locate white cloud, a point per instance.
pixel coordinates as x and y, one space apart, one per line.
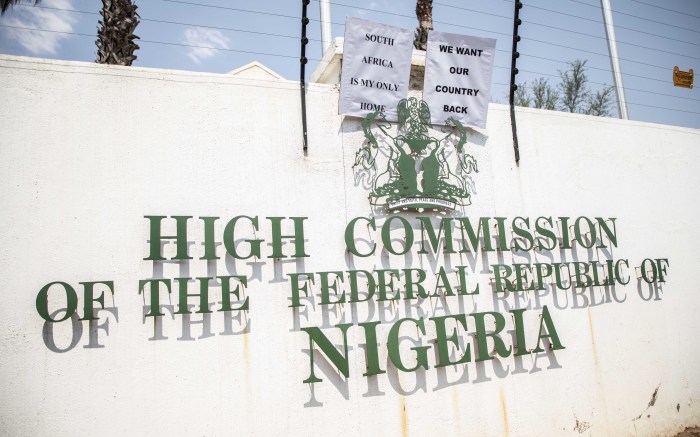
373 6
35 41
364 12
203 39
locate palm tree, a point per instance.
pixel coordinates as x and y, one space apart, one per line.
424 13
115 37
5 4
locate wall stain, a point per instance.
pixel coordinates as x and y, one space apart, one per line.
404 418
653 396
593 345
504 410
246 359
651 403
597 370
581 426
456 411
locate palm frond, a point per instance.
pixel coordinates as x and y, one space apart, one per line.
5 4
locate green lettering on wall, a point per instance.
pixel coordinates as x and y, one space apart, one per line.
209 238
296 288
230 238
548 234
501 274
442 340
410 283
442 281
350 236
327 285
482 335
523 232
385 285
297 236
386 235
394 341
372 348
580 235
445 227
154 286
43 296
182 307
474 236
338 359
611 234
156 238
226 292
521 348
89 297
354 285
551 332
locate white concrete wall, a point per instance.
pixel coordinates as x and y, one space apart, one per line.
87 151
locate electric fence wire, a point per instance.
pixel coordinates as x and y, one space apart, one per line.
525 21
666 9
206 26
412 17
385 12
637 17
195 77
597 6
291 56
616 26
509 17
529 6
533 39
290 87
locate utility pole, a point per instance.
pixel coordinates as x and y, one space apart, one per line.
325 9
614 62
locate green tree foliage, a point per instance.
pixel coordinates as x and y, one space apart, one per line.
573 86
522 96
571 94
545 96
599 103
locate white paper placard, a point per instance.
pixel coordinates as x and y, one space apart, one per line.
457 83
376 68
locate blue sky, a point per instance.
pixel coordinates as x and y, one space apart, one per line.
653 36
